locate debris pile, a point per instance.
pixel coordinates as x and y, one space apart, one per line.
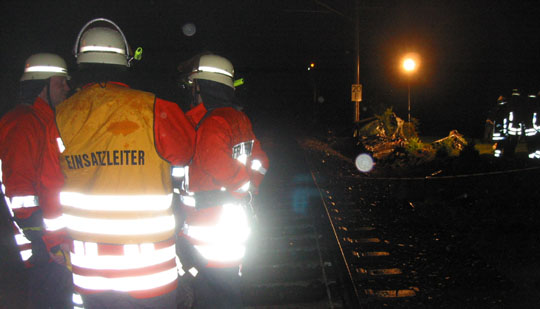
391 140
454 143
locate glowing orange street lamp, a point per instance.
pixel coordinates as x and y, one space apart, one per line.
410 64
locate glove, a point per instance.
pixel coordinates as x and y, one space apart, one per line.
60 255
40 254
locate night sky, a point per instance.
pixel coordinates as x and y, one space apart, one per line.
472 51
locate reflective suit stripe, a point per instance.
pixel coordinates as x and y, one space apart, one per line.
224 241
117 226
130 270
256 165
23 244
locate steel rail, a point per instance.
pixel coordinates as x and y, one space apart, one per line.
336 237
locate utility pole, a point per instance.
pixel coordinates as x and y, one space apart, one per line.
357 41
356 89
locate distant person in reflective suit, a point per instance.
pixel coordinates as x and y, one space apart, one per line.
532 126
497 124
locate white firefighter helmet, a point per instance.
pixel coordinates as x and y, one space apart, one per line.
102 45
43 66
214 68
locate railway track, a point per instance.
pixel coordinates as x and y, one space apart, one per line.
379 276
291 262
431 242
315 248
330 239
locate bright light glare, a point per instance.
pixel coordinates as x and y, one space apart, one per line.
364 163
409 65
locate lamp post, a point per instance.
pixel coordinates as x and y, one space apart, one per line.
409 66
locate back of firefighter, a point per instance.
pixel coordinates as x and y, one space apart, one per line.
520 127
225 171
532 126
119 146
499 131
509 127
31 180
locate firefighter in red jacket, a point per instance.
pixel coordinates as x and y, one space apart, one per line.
31 179
227 168
119 147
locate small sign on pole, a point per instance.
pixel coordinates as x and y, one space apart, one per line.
356 93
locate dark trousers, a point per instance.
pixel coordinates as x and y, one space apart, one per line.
211 288
121 300
217 288
50 285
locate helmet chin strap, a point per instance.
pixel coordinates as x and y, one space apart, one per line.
195 94
49 100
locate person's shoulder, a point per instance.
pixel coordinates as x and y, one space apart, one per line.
228 116
138 91
164 102
227 112
19 112
237 114
218 117
22 119
223 113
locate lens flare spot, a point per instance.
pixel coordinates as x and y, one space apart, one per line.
364 163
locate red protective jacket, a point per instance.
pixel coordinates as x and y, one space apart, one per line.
215 168
30 168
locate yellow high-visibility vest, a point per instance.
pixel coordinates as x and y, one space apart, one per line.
117 188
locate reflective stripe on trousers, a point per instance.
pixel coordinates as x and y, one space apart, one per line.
122 242
224 242
130 268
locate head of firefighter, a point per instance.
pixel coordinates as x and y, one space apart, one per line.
45 75
211 80
102 53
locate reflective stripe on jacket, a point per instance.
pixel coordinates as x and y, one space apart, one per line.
118 188
31 176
